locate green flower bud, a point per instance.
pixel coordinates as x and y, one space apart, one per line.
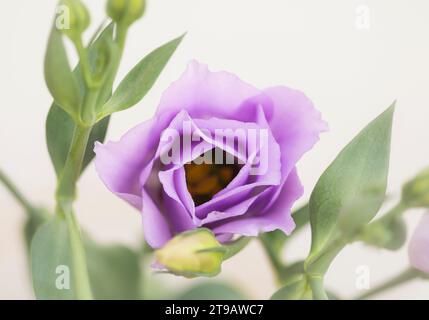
192 253
416 192
73 18
125 11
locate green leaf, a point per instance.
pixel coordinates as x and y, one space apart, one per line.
211 291
297 290
60 126
51 261
114 271
61 81
140 79
351 191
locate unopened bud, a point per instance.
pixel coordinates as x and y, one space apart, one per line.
192 253
125 11
416 192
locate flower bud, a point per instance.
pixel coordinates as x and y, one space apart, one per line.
416 192
192 253
125 11
75 17
418 250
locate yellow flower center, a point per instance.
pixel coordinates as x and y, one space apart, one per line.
204 180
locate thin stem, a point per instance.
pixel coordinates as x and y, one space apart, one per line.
403 277
66 189
13 189
80 271
67 181
66 194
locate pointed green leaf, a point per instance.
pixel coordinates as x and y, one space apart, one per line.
211 291
51 261
140 79
297 290
61 81
351 191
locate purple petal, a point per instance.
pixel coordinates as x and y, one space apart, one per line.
277 217
418 250
203 93
155 226
295 124
121 165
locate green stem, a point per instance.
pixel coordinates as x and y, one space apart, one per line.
403 277
316 285
66 194
13 189
66 190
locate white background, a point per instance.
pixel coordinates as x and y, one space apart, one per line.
351 75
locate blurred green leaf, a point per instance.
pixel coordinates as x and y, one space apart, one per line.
61 82
36 218
140 79
211 291
60 126
297 290
51 261
358 173
114 271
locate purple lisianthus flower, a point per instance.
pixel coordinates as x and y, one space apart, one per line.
418 249
180 173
